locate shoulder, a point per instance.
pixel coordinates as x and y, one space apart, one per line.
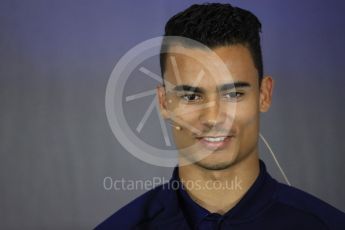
140 210
309 207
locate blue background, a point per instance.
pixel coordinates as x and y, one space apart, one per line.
56 146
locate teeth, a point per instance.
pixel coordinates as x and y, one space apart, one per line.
214 139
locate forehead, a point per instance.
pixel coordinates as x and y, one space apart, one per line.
225 64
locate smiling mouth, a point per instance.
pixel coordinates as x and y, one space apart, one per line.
214 142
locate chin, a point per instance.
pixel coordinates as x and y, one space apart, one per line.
218 160
214 165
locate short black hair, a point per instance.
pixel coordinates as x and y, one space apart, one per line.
215 25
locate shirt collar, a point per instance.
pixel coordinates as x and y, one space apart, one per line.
258 197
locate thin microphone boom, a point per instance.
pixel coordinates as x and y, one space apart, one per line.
177 127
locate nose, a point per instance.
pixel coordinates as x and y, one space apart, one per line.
211 115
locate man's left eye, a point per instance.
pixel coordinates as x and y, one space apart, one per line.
233 95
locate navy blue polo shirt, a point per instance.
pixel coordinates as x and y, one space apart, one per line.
267 205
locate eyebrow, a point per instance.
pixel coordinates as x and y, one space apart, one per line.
225 87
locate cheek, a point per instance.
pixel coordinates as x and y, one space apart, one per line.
185 114
247 118
188 119
247 126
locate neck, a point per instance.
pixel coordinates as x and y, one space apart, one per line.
220 190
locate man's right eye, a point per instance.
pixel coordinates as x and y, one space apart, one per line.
190 97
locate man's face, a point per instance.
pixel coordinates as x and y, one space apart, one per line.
218 112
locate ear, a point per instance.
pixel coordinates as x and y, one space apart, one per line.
162 101
266 90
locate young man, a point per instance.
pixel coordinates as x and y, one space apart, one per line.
216 118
